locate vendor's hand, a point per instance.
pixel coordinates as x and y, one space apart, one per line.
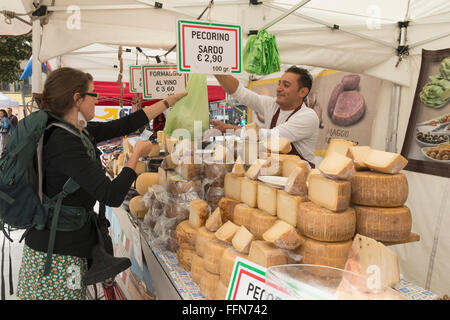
171 100
222 126
143 148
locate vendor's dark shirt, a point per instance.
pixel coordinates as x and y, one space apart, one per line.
65 156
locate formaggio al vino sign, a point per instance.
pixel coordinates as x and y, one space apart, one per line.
209 48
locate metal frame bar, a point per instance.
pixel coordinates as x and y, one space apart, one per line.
285 14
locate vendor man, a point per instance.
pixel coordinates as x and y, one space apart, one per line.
287 112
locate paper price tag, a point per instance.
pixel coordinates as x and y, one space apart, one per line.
136 81
161 81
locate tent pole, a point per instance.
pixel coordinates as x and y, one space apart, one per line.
36 77
391 139
284 15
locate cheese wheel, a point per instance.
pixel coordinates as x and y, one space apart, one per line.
242 215
227 206
332 254
260 222
266 254
212 255
384 224
202 239
249 191
287 206
141 167
221 291
227 263
197 268
331 194
266 198
208 285
138 207
226 232
232 185
198 212
186 234
378 189
321 224
214 221
146 180
185 257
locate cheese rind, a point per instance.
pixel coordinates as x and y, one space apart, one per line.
358 154
337 166
267 198
186 234
296 182
138 207
227 206
146 180
242 215
277 144
208 285
197 269
249 192
227 262
226 232
260 222
214 221
287 206
198 213
221 291
372 259
232 185
385 162
379 189
213 253
185 256
202 239
384 224
242 239
331 194
321 224
283 235
266 254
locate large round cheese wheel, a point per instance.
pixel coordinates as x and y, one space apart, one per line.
379 189
186 235
227 264
384 224
322 224
208 285
332 254
202 239
260 222
197 269
221 291
212 255
137 207
185 256
146 180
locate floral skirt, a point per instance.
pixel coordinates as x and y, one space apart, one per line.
62 283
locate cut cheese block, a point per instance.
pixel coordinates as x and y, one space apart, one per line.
154 151
332 254
277 144
287 206
358 154
249 191
283 235
198 213
227 232
337 166
313 172
177 185
379 189
232 185
331 194
213 254
321 224
255 169
202 239
238 168
384 224
146 180
186 235
160 138
296 182
185 256
272 167
141 167
227 206
242 215
221 291
188 169
340 146
267 198
138 207
386 162
288 166
373 260
197 269
252 130
266 254
250 151
242 239
214 221
260 223
162 177
227 263
208 285
222 154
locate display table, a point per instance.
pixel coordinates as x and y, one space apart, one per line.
171 282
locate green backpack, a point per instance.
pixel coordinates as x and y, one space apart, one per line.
22 203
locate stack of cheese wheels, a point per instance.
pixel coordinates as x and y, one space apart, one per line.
327 222
379 195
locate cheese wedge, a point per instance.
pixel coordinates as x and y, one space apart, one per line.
227 263
276 144
340 146
226 232
296 182
249 191
331 194
208 284
358 154
227 206
386 162
254 171
337 166
238 168
214 221
197 269
283 235
242 239
198 213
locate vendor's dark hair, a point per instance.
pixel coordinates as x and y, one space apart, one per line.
305 80
60 87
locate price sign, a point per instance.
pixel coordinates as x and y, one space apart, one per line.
136 84
161 81
209 48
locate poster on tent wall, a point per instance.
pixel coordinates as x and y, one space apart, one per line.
427 141
346 106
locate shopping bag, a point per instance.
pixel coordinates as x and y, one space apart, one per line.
261 54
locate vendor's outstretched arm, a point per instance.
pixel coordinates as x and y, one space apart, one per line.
227 82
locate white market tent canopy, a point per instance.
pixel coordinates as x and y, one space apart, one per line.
382 38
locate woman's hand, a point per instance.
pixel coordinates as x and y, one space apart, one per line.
222 126
143 148
171 100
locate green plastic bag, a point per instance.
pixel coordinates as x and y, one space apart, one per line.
193 107
261 54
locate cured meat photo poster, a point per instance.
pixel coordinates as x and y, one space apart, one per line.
346 106
427 140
